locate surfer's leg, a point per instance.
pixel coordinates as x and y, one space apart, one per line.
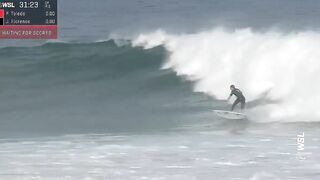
243 103
235 103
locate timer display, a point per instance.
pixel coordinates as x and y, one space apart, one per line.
31 4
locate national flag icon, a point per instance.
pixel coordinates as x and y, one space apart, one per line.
1 13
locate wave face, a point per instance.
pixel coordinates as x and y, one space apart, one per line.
94 87
283 70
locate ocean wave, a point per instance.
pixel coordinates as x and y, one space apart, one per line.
88 87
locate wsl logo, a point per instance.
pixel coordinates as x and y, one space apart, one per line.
6 5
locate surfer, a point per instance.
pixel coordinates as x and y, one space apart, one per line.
240 97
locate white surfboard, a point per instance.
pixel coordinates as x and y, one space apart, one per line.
230 114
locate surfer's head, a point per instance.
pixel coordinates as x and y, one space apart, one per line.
232 87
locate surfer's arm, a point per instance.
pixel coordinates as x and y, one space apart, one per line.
230 96
231 93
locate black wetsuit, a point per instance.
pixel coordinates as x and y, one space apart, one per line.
240 98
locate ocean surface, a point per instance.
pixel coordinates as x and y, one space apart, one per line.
128 90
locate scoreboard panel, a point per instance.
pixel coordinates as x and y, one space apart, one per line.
28 19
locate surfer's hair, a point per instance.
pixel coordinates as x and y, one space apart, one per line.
232 86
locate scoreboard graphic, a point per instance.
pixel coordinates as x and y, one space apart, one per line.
28 19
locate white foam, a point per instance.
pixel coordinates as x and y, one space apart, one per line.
285 65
